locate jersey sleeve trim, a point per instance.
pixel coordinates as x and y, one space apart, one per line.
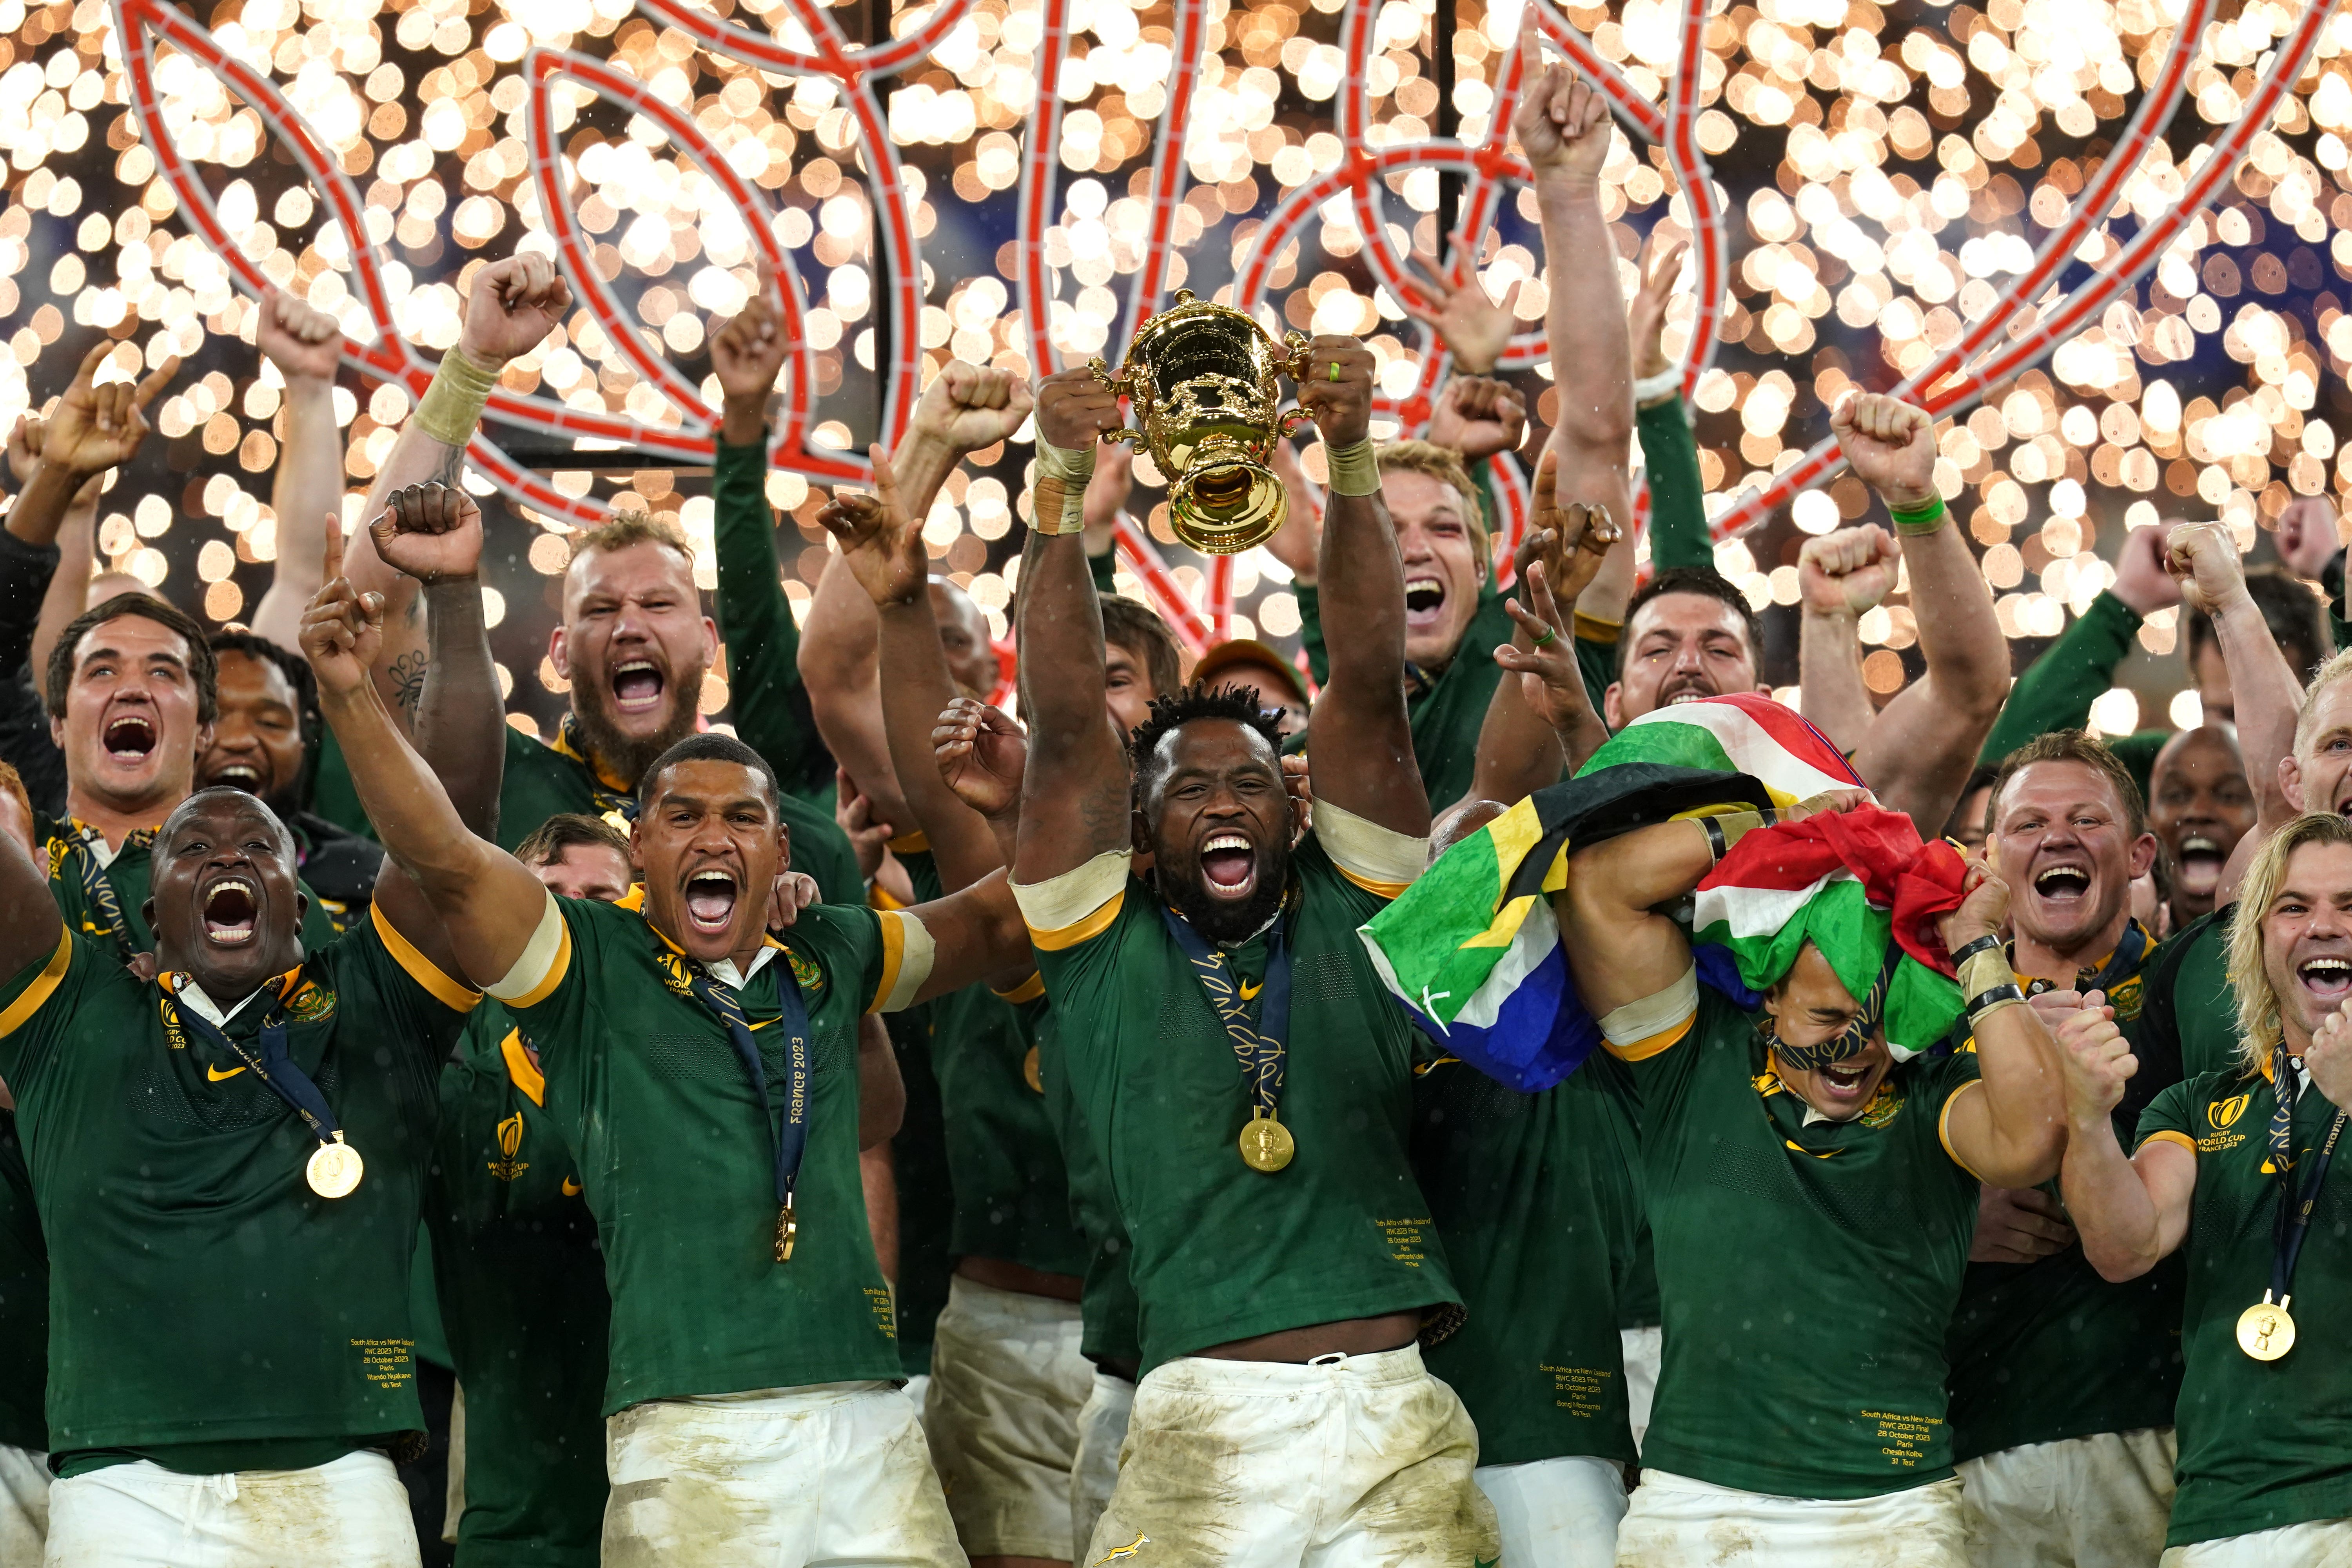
1378 860
1076 906
1944 1126
908 955
1028 990
454 994
45 984
545 959
1640 1030
916 842
2168 1135
520 1071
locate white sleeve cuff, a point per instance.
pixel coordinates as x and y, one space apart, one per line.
539 957
1638 1024
1060 902
1378 859
909 953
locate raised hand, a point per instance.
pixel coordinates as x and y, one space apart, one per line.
2203 558
1848 571
2142 581
793 892
1478 417
1549 681
342 631
431 531
25 447
304 343
515 303
747 354
98 428
1984 906
970 406
2096 1059
1570 539
1075 409
2308 536
1562 125
1475 328
1337 392
1828 800
1890 444
881 544
1662 263
854 814
2328 1058
982 755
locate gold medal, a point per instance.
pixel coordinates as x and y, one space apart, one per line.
1029 1073
2265 1332
335 1169
788 1230
1266 1144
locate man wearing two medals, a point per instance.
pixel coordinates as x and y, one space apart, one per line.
1245 1084
227 1161
706 1078
2233 1166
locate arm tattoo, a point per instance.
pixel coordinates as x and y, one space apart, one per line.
407 677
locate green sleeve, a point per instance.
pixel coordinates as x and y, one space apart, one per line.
2169 1113
1105 568
2057 689
1596 662
2138 752
1678 531
1310 632
763 642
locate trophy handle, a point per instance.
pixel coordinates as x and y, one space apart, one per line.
1290 423
1298 356
1121 381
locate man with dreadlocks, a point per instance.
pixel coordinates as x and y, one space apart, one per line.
1811 1196
1244 1086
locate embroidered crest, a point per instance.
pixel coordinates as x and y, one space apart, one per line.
310 1004
805 971
1885 1106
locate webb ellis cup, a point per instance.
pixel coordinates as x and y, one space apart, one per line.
1203 378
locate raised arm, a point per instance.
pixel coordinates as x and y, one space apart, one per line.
1074 793
1923 745
514 304
1530 734
1678 531
2011 1133
43 586
982 755
306 346
2130 1211
2056 690
488 902
1841 577
94 428
1562 123
965 409
2202 558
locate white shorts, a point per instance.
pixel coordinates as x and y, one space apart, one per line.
1350 1460
1007 1383
2101 1502
1102 1432
24 1507
919 1394
1556 1513
453 1507
1671 1520
2314 1543
352 1512
1641 1348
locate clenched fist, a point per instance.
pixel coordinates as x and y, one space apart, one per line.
1889 443
1848 571
1337 391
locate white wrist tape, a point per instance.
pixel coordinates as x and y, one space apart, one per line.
452 405
1058 504
1355 468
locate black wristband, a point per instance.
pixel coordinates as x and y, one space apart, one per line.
1985 944
1772 818
1715 841
2005 992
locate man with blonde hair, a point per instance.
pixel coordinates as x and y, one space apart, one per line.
2232 1165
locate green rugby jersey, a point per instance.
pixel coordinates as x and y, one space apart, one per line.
1806 1272
521 1287
204 1302
1537 1200
2046 1350
1005 1161
1223 1252
2263 1444
24 1301
676 1152
543 781
1107 1309
2192 1013
918 1169
82 885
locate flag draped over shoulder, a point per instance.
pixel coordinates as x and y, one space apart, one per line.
1472 949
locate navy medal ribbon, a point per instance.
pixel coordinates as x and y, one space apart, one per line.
334 1166
1259 1033
792 1118
2296 1200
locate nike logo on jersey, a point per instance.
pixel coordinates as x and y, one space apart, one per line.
571 1188
1816 1153
215 1075
1249 992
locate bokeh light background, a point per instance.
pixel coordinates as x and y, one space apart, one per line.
1883 178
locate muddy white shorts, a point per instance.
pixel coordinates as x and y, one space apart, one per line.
836 1473
1642 1348
1343 1461
1672 1520
2101 1502
1556 1513
1102 1432
24 1507
1007 1383
352 1512
2314 1543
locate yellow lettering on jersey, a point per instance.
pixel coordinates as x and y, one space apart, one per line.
385 1362
1903 1440
1406 1239
1576 1389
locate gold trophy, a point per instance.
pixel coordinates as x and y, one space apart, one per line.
1202 377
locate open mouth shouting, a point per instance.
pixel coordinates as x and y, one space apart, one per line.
232 907
1846 1082
1229 866
637 686
128 738
2328 978
239 774
1424 602
2201 857
710 895
2064 886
